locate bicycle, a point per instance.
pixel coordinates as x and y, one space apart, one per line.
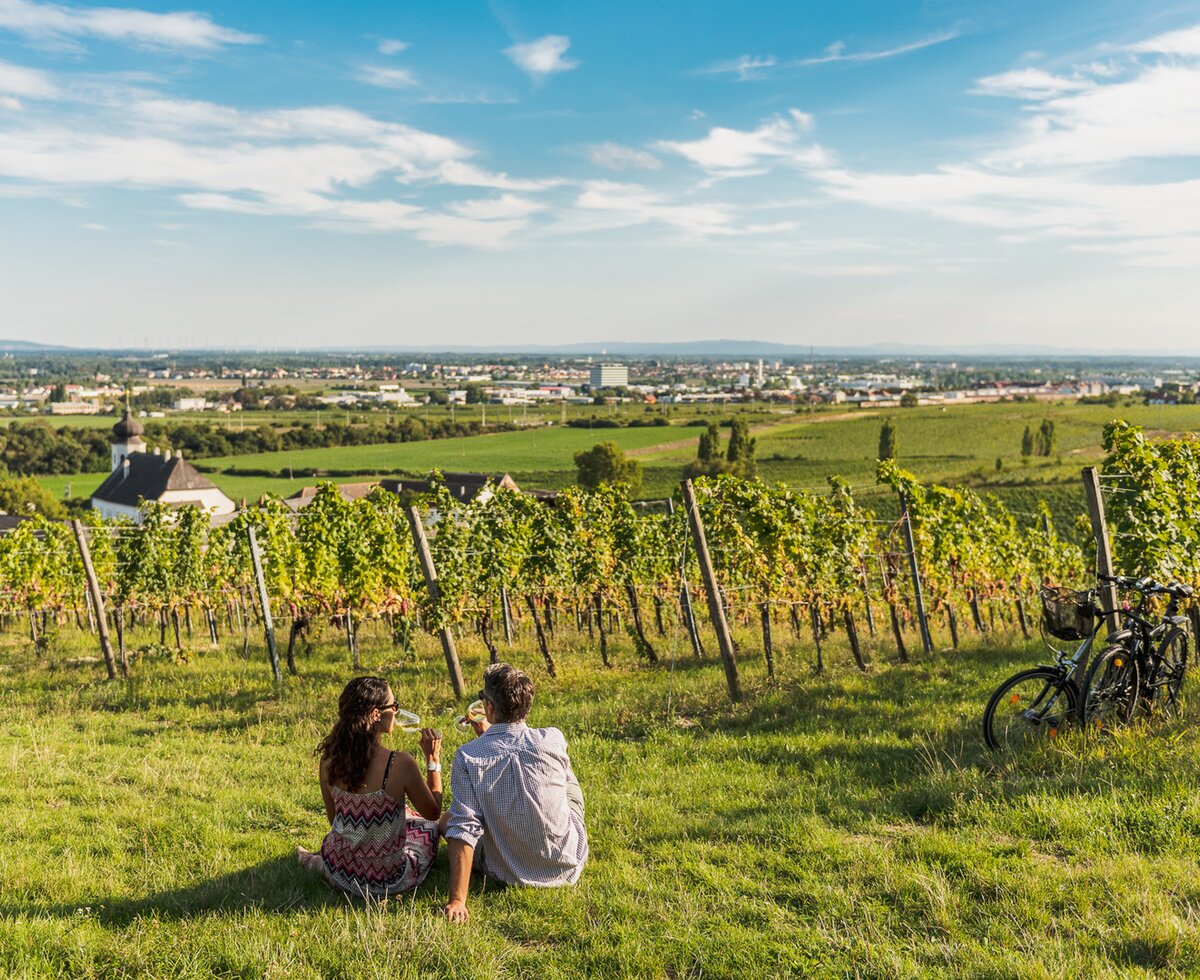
1034 704
1144 662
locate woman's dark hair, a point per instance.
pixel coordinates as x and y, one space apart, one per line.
510 690
346 750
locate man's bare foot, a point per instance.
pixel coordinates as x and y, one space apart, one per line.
310 860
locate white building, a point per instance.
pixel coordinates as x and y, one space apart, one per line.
608 376
139 477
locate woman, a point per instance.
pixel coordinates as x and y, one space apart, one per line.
376 846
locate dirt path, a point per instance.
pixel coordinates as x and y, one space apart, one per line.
670 447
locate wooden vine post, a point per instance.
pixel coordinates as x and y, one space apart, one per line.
1104 562
97 600
265 601
716 608
915 572
685 597
447 638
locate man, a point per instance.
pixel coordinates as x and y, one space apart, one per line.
517 813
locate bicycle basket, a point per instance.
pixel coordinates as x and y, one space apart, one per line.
1068 615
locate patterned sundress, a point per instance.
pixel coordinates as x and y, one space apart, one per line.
377 846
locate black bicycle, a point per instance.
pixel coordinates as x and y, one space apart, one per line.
1142 666
1035 704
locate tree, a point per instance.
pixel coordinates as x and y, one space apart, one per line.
710 444
887 440
1045 438
605 463
1027 442
908 400
23 495
740 454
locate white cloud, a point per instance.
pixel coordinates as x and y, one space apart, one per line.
464 174
837 50
1028 83
390 46
386 77
542 57
174 30
613 156
1074 171
1181 42
16 80
623 205
746 67
1155 113
734 152
495 208
328 166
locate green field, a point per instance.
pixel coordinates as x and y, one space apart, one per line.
955 445
838 825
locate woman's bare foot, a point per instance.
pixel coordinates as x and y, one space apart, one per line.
310 860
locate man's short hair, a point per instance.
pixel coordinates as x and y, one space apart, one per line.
510 690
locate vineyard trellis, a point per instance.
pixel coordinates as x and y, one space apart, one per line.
591 561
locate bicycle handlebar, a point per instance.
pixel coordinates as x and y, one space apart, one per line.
1147 586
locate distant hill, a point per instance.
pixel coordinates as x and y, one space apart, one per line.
29 347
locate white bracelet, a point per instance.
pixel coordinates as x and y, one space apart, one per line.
433 766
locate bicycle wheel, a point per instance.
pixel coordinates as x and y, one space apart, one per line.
1163 688
1029 707
1111 689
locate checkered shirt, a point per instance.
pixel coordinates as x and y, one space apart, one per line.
510 792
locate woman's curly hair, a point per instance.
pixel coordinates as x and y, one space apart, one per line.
346 750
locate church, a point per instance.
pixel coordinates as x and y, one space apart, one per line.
139 477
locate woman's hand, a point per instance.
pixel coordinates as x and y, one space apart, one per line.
431 744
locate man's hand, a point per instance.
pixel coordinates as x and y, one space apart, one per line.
480 726
457 912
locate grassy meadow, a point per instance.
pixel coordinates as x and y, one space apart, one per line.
842 824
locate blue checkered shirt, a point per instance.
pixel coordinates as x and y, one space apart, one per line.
510 793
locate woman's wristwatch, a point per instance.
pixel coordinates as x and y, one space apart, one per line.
431 766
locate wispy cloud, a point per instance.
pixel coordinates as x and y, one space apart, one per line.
1029 83
390 46
542 57
837 51
18 81
746 67
1182 42
1073 170
737 152
617 205
185 30
506 206
382 77
614 156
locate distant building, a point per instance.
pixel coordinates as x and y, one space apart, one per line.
190 404
74 408
608 376
139 477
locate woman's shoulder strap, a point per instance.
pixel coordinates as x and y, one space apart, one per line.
388 771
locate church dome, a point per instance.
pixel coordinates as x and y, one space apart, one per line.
128 428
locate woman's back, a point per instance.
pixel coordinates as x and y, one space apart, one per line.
376 846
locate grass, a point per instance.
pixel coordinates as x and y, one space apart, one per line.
956 445
844 824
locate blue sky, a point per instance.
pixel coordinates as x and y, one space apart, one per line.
474 173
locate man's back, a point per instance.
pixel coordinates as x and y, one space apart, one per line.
514 790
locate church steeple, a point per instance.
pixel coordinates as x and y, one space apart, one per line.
126 438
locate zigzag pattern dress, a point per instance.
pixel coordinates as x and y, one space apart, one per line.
377 846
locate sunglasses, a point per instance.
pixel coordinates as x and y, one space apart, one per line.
390 707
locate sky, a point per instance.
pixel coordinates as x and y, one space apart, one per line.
504 173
